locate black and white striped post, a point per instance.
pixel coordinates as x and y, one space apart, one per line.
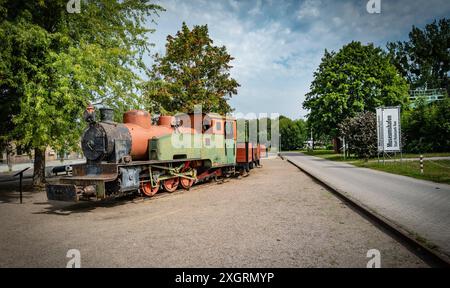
421 164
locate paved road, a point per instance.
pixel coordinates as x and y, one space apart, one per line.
421 207
276 217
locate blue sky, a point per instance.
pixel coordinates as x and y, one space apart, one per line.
278 45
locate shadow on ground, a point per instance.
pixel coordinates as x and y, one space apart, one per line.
68 208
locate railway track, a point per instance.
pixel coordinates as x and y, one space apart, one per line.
406 238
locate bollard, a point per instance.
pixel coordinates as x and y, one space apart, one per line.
421 164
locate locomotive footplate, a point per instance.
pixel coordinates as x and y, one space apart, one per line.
62 192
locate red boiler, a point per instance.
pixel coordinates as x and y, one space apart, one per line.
139 123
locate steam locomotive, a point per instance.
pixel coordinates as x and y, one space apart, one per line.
137 157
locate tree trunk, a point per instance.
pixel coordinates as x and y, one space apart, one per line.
337 145
39 167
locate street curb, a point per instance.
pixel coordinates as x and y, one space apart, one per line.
436 257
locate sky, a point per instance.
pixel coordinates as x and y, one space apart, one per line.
277 45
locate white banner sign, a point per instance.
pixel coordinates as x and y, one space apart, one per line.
388 129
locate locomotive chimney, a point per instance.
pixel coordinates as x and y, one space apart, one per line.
106 114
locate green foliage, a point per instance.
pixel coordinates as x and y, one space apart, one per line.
424 60
358 78
293 133
360 133
53 63
192 72
427 127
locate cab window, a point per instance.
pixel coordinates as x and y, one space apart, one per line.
218 125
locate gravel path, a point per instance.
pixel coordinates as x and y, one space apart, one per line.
276 217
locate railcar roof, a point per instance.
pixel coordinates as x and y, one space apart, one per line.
215 116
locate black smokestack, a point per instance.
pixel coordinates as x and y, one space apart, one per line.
106 114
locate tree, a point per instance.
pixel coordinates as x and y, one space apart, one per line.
360 134
358 78
193 71
293 133
53 64
426 128
424 60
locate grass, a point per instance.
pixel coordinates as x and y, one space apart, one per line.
328 154
434 170
425 155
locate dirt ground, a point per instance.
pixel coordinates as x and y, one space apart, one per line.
276 217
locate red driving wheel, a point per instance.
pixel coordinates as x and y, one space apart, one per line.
186 183
147 189
170 185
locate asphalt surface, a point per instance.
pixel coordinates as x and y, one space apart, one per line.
420 207
276 217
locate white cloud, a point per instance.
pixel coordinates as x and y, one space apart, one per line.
309 9
278 45
256 10
234 4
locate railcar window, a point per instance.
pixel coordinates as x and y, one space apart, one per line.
218 125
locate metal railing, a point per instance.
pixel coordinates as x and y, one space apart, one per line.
430 95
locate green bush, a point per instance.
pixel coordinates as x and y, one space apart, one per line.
426 128
360 134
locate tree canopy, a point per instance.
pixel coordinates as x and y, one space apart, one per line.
54 63
424 60
426 128
192 72
293 133
357 78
